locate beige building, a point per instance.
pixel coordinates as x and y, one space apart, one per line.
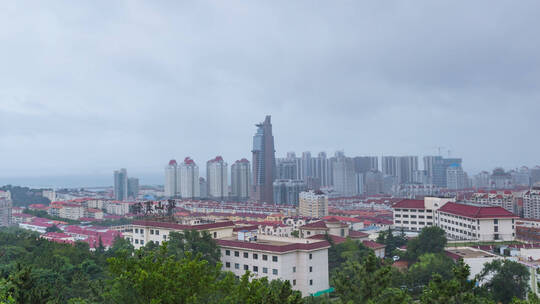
71 211
313 204
303 262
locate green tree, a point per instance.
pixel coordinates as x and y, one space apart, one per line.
532 298
359 282
458 290
430 240
420 273
391 241
194 242
504 280
347 251
53 228
295 233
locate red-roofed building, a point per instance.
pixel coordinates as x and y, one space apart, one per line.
414 215
378 248
481 223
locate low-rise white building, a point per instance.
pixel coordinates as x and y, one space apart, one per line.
414 215
140 232
303 262
478 223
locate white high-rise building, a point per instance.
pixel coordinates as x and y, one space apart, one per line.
240 179
189 179
171 179
313 204
120 185
216 178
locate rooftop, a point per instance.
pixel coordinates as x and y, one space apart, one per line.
274 245
469 253
476 211
409 204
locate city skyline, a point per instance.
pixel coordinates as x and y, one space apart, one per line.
95 99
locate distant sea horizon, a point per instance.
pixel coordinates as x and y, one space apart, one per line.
75 181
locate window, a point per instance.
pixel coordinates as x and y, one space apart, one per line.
294 282
236 254
246 255
227 252
274 271
310 282
255 256
310 268
151 231
495 221
142 242
265 257
246 267
228 264
236 266
294 269
157 232
397 215
265 270
310 256
136 230
164 237
342 232
215 234
398 221
136 241
274 258
255 269
496 228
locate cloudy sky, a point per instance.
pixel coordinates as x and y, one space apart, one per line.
87 88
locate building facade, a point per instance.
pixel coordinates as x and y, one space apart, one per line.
240 179
120 185
287 192
313 204
531 203
171 179
189 179
263 163
217 178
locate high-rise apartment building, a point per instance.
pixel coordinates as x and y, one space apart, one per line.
216 178
313 204
203 188
407 166
363 164
390 165
240 179
120 185
171 179
287 192
535 175
531 203
5 212
133 187
436 166
264 163
373 182
189 179
286 169
344 176
456 179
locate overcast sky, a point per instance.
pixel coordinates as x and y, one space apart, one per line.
86 88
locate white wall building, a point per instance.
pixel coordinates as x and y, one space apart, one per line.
303 262
240 179
478 223
414 215
189 179
171 176
313 204
216 178
531 203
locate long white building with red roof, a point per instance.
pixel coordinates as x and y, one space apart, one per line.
459 221
481 223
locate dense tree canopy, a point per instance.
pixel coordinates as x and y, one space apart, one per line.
430 240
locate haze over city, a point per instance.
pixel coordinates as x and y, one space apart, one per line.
91 87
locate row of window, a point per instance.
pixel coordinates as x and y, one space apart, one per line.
414 223
255 256
413 216
264 270
413 210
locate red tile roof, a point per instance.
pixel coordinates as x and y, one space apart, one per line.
476 211
273 248
336 239
183 227
373 245
410 204
315 225
358 234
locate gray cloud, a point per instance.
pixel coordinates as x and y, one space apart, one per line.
88 87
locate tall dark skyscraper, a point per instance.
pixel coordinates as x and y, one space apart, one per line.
264 163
